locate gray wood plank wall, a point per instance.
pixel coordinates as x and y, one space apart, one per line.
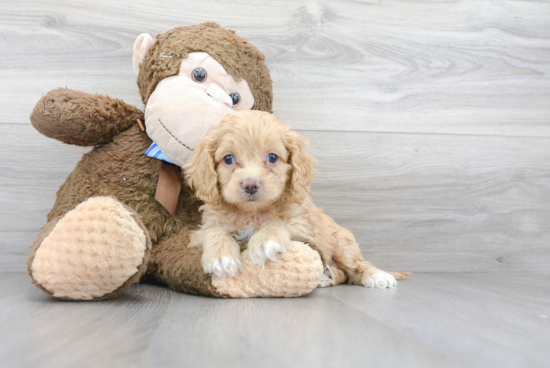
430 119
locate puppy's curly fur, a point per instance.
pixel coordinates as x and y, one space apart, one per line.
254 175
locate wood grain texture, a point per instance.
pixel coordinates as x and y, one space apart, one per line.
464 67
430 119
439 202
436 320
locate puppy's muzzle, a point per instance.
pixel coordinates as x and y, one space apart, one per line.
251 186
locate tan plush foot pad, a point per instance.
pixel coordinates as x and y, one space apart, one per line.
297 272
91 251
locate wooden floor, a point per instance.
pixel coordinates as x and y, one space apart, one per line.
430 320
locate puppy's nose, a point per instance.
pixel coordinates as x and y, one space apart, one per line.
251 186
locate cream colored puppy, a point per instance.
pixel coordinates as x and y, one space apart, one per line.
253 174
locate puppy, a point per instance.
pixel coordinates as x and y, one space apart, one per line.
253 174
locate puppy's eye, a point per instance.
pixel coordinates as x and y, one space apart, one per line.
199 75
272 158
229 160
235 97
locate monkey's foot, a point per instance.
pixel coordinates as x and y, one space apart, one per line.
297 272
94 252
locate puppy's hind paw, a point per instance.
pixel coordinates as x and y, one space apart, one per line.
225 266
271 250
381 280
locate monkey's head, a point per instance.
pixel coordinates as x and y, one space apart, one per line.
191 77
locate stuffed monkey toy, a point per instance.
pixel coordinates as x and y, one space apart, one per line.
123 214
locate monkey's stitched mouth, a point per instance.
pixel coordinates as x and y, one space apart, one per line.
173 136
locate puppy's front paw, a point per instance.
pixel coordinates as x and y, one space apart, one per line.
222 267
380 280
262 248
221 263
271 250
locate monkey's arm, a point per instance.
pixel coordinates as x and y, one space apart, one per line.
80 118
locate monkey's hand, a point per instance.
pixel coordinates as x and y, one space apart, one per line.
82 119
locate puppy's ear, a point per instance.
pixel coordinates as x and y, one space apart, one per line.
302 172
201 172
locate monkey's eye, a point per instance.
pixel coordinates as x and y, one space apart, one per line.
229 160
272 158
198 75
235 97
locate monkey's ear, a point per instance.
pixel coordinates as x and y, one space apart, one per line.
142 45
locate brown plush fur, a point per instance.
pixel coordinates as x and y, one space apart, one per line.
120 169
240 58
117 166
175 262
82 119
